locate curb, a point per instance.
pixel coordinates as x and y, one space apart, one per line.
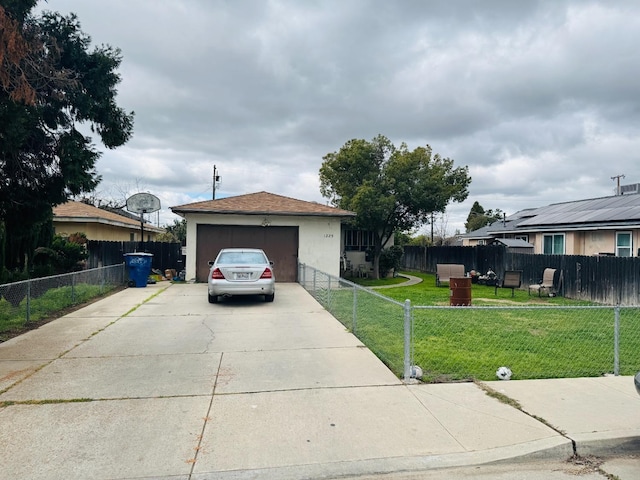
607 447
554 448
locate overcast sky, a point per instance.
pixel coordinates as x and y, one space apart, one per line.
540 99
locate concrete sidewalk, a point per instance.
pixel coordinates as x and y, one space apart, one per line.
411 280
157 383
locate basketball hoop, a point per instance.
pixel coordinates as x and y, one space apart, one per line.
142 203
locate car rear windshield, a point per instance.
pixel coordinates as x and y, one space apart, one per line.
241 258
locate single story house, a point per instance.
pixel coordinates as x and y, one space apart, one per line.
287 229
597 226
99 224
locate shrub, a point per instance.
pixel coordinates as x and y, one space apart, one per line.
65 255
390 259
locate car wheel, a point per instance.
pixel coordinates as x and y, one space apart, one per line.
269 298
213 298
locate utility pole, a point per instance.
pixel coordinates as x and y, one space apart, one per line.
617 177
216 178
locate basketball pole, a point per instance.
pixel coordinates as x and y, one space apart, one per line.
142 229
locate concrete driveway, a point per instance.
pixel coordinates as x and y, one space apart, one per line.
157 383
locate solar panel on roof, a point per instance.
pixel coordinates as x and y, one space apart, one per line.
606 209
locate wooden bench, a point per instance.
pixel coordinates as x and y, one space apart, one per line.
446 271
512 279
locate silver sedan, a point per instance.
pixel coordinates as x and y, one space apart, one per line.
241 271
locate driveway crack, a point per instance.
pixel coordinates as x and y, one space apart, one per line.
207 418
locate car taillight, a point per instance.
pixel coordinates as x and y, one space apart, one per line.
266 273
217 274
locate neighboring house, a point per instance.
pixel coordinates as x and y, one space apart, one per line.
288 230
598 226
99 224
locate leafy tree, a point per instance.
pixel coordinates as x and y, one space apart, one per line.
177 232
51 82
401 239
420 241
479 218
390 189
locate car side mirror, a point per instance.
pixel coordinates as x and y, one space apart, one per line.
271 263
210 262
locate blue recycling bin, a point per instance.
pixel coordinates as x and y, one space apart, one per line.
139 265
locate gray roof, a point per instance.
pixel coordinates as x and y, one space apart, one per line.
594 213
489 231
513 242
607 209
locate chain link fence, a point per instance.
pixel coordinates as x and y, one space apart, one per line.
35 299
376 320
461 343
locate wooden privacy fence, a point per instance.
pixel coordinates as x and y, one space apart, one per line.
165 255
602 279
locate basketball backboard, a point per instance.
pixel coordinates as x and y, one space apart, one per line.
143 203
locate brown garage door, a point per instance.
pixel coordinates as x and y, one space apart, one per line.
279 243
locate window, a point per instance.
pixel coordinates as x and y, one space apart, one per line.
482 242
522 237
623 244
358 240
553 244
132 237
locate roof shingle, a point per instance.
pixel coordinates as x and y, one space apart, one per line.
262 203
77 211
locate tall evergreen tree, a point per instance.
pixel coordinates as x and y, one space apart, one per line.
52 81
479 217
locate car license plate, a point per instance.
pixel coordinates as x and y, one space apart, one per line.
243 276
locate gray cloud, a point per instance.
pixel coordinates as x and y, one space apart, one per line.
539 99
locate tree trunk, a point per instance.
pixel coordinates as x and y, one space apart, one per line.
377 250
376 265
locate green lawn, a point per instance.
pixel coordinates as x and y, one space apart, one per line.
426 293
547 337
13 317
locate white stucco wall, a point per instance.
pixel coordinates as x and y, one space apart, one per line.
319 244
318 237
